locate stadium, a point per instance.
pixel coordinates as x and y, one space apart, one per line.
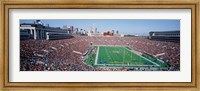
84 53
75 52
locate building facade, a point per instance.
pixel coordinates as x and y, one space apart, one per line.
165 35
39 31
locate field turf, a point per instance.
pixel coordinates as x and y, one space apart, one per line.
120 56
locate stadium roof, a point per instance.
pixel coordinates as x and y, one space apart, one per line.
175 31
52 29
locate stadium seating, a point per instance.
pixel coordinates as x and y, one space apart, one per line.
49 55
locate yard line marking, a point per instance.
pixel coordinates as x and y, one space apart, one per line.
95 63
146 58
128 65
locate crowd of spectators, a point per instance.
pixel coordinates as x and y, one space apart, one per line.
61 55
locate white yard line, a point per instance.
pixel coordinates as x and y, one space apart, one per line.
96 59
95 63
108 55
145 58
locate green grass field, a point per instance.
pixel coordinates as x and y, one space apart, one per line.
120 56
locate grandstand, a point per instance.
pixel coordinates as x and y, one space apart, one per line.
39 31
90 53
165 35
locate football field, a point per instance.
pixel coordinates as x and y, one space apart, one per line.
120 56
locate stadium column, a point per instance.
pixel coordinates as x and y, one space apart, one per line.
47 35
35 34
31 31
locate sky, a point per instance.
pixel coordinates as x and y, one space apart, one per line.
129 26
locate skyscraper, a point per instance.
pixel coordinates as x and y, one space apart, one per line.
117 32
71 29
113 31
93 28
96 30
76 30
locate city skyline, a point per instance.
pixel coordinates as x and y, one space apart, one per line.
132 27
